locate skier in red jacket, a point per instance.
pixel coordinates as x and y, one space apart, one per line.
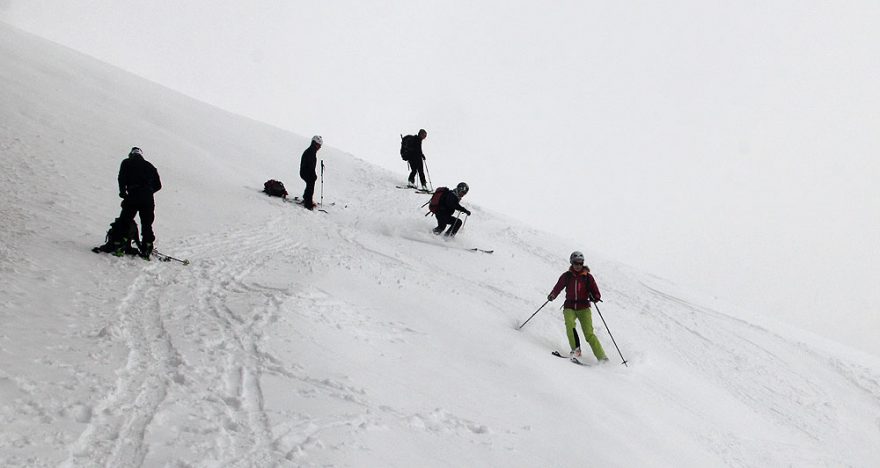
580 291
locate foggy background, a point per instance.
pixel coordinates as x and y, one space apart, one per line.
725 145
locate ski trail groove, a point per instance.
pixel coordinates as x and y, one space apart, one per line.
115 437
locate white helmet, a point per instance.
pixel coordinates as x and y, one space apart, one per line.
317 139
576 257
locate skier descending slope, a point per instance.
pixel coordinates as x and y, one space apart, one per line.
580 290
444 203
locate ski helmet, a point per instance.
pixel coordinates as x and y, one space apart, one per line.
136 150
317 139
461 189
576 257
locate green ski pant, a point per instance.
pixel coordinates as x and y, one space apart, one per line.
586 318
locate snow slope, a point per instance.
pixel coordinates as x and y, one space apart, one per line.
351 338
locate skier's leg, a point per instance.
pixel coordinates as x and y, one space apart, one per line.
422 174
412 172
442 222
586 318
148 215
456 225
569 316
308 194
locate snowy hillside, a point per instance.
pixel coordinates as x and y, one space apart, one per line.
353 337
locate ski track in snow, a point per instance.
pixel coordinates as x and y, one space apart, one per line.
199 302
212 364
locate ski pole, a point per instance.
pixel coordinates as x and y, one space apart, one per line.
322 182
536 312
609 334
428 173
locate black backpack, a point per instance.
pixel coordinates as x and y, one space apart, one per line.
274 188
119 238
406 146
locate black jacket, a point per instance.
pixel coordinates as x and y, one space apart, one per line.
449 202
308 163
138 178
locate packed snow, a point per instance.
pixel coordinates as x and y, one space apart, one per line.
353 337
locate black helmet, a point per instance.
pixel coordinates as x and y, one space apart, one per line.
461 189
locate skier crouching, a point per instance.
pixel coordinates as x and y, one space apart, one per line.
449 203
580 290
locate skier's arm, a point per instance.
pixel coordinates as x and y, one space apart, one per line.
557 289
157 182
121 180
595 295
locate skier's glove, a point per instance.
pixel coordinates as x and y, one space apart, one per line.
550 297
467 212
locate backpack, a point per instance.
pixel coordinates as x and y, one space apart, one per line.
119 238
405 144
274 188
434 204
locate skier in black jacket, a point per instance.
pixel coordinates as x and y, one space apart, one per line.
449 203
412 153
138 181
307 170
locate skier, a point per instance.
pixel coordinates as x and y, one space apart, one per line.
307 170
450 202
580 290
138 181
411 151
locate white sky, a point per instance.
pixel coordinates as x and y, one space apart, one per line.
726 145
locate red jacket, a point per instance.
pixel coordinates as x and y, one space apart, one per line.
578 289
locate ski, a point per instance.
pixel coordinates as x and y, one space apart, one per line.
481 250
572 359
414 189
131 253
299 200
296 200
